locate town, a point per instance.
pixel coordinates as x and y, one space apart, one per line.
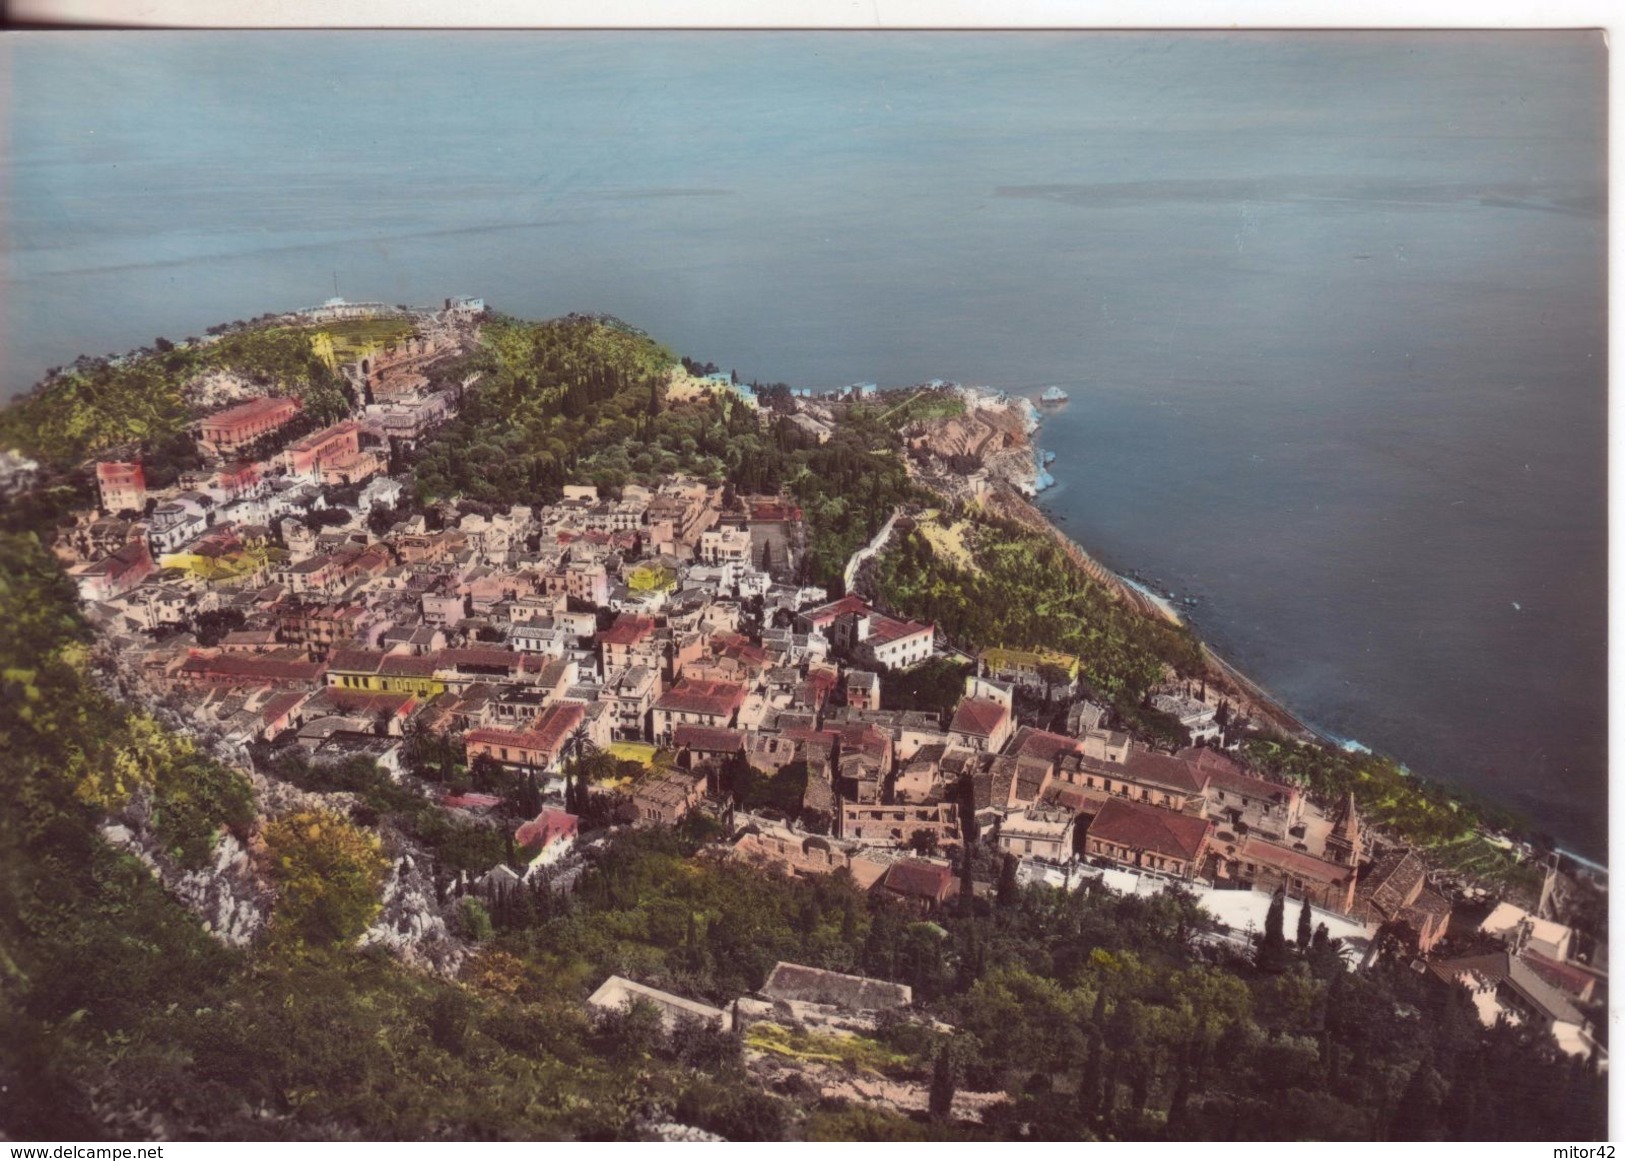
662 639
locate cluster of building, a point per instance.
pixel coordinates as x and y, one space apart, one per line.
1524 973
666 616
265 472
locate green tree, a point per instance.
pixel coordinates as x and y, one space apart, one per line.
1305 927
476 919
1271 956
1052 675
328 874
1009 887
632 1032
944 1082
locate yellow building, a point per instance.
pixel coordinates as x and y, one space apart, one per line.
374 672
1022 665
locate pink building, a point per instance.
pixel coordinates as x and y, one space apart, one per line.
308 456
227 432
122 486
115 575
546 836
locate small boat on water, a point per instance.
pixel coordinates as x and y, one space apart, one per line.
1053 395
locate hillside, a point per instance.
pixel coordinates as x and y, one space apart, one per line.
313 1011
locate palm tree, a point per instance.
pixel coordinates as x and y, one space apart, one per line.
579 744
420 743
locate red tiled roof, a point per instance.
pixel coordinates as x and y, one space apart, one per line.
1146 828
851 603
314 564
1299 863
354 661
1078 799
1393 882
467 801
1031 743
279 705
707 739
827 736
557 722
920 880
1238 781
715 698
1207 758
1002 778
979 716
1562 976
263 407
481 657
553 672
628 629
546 828
1156 769
317 438
825 679
740 648
132 555
358 700
1031 776
406 665
862 738
251 667
883 630
547 736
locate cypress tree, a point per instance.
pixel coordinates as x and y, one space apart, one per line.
1272 948
944 1081
1089 1081
1305 927
1009 889
970 962
1178 1128
1417 1117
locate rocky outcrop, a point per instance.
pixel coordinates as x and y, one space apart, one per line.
827 1082
411 924
985 449
214 390
230 899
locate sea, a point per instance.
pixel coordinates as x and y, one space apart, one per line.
1329 307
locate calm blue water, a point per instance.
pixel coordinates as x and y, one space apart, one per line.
1330 307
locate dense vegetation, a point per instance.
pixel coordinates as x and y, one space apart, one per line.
454 844
1004 585
1100 1016
1019 590
1093 1011
124 1019
584 400
139 400
110 757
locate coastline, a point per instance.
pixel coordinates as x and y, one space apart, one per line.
1264 703
1013 486
1257 698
